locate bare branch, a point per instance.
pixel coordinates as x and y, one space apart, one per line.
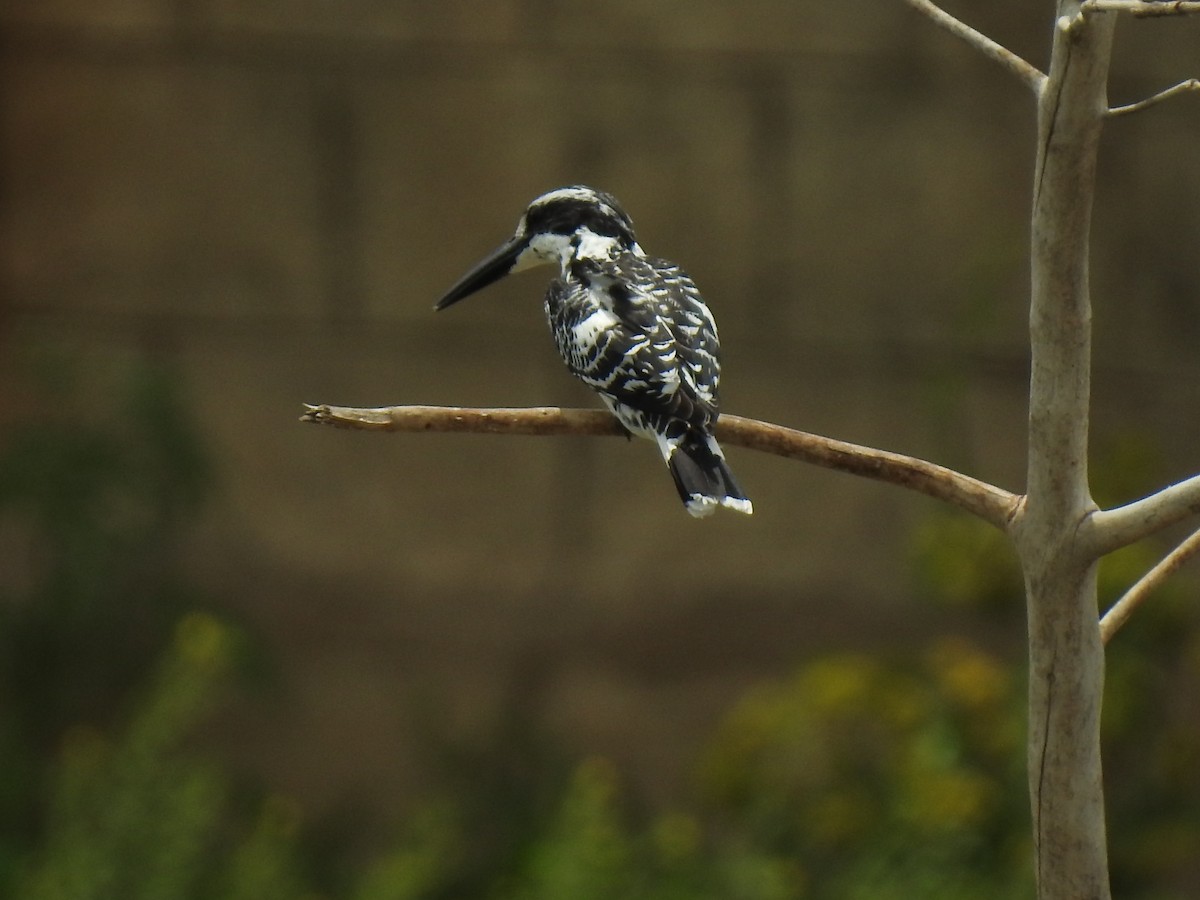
990 503
1107 530
1192 84
538 420
1028 73
1120 611
1142 8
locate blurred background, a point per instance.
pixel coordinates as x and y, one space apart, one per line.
245 657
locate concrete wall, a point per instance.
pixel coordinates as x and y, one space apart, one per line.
272 195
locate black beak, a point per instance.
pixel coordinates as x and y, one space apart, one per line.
488 270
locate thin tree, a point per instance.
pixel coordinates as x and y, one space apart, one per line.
1058 531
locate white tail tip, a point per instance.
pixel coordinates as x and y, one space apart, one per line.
700 506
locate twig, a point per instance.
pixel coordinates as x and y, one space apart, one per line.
1142 8
1120 611
1192 84
990 503
1027 72
1107 530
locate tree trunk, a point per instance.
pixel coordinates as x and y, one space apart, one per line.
1066 655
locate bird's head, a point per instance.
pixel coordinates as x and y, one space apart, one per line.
565 224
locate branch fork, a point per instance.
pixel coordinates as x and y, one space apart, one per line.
1029 74
1191 85
1142 9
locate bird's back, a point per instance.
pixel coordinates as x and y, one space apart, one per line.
636 329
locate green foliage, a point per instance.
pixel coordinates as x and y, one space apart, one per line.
93 498
134 815
97 480
884 779
588 851
960 564
423 863
127 819
1151 732
584 851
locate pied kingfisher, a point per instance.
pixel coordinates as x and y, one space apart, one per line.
632 327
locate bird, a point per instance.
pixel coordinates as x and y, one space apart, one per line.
632 327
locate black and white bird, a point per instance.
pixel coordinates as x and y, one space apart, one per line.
632 327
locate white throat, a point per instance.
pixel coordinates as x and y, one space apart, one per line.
594 246
546 249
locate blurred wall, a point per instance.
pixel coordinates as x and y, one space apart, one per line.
271 196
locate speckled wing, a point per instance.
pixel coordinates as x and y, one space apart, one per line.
637 330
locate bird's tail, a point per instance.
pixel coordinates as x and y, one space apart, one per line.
701 476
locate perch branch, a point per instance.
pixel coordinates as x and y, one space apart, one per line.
540 420
1120 611
1192 84
990 503
1027 72
1107 530
1141 9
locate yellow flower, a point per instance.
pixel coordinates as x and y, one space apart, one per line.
840 684
969 677
203 641
945 800
840 817
676 837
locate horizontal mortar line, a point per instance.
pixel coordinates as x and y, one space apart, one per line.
912 359
306 50
907 352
